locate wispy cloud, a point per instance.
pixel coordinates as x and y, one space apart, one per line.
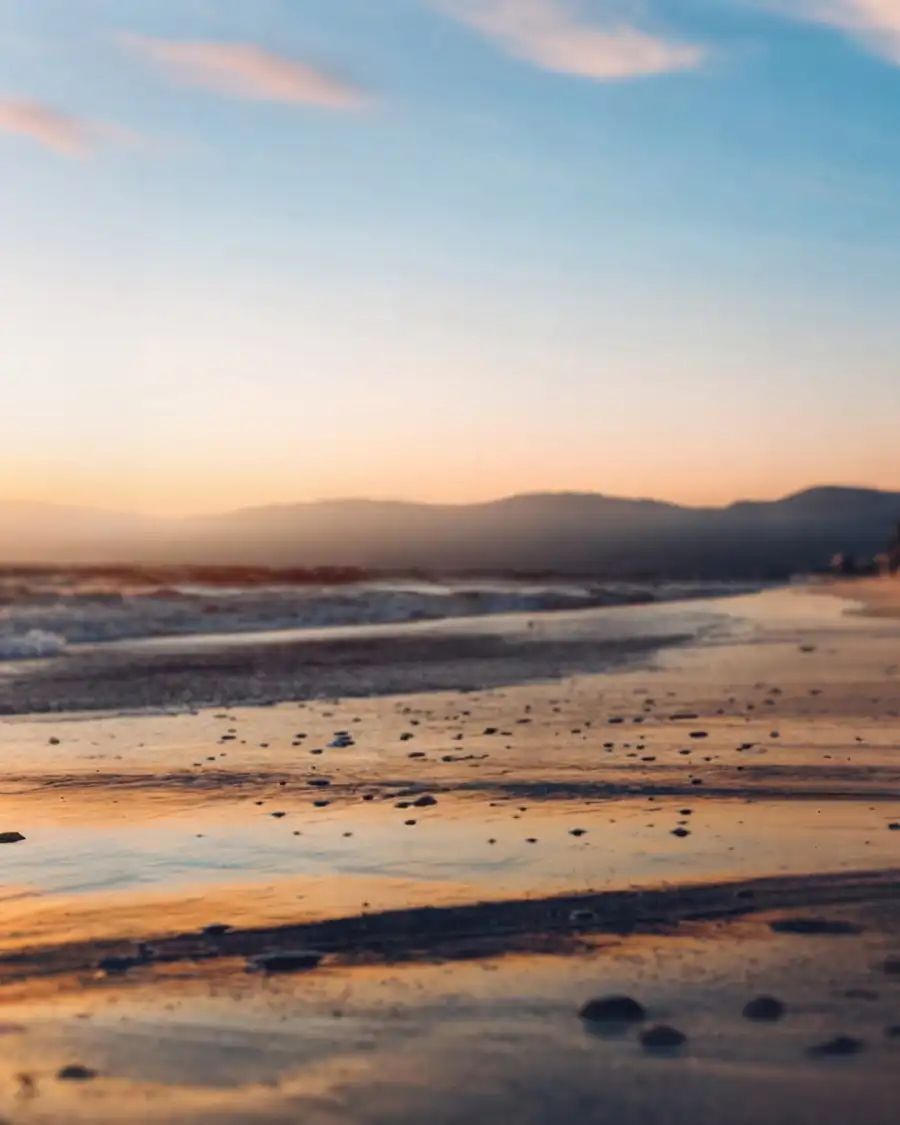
242 70
555 35
875 22
65 134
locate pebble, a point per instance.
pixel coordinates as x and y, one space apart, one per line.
764 1008
286 961
662 1038
76 1073
840 1045
613 1009
11 837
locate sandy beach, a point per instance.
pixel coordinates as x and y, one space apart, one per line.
478 827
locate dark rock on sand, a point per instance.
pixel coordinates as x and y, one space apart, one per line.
840 1045
765 1009
11 837
216 929
814 926
680 832
120 964
285 961
662 1038
613 1009
424 802
76 1073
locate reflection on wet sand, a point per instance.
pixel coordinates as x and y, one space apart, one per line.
431 845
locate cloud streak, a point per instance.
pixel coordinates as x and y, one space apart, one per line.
552 35
61 132
876 23
242 70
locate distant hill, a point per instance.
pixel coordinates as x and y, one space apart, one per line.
568 532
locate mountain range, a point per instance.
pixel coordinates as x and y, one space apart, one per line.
584 533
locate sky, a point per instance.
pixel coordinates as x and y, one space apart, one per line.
262 251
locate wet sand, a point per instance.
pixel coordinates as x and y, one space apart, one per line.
474 866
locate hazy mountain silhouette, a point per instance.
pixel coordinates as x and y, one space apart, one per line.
570 532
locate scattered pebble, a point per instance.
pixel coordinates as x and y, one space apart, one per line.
662 1038
286 961
613 1009
840 1045
76 1073
765 1009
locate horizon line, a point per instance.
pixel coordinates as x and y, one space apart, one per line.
399 501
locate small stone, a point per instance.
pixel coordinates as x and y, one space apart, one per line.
662 1038
11 837
613 1009
120 964
216 929
76 1073
578 832
764 1008
840 1045
286 961
424 802
680 832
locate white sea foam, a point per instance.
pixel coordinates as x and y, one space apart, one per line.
41 620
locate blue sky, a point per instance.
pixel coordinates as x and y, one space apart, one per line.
447 249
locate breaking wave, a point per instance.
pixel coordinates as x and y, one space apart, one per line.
40 618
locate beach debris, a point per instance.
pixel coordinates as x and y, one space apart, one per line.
11 837
120 963
285 961
840 1045
75 1072
216 929
613 1009
765 1009
662 1038
814 927
582 917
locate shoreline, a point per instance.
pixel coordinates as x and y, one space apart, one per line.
695 825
